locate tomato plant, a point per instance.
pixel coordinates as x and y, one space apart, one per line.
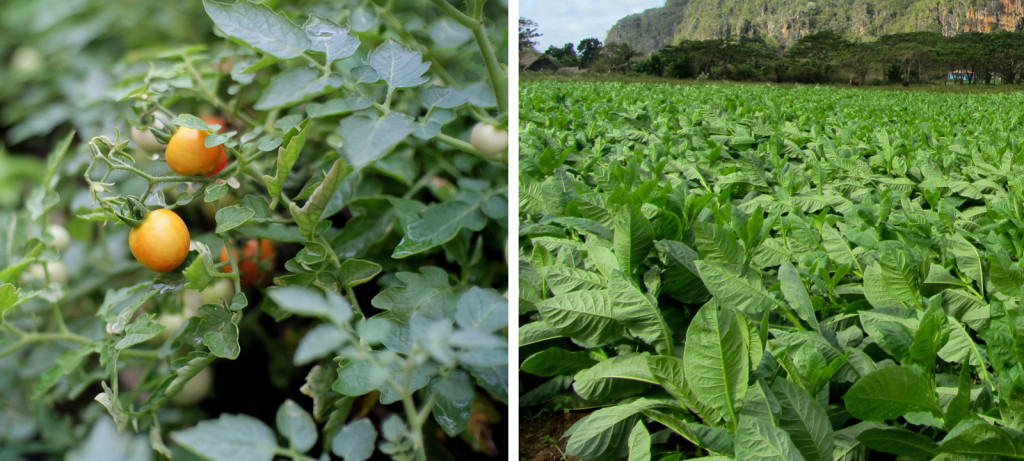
361 315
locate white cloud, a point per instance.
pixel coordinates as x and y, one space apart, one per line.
561 22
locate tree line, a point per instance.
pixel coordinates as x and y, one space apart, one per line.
822 57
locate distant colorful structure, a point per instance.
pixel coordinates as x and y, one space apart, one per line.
962 75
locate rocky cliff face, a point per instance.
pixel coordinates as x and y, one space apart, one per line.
784 21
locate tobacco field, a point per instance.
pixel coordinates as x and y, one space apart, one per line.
757 273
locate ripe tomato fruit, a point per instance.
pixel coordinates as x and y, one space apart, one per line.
253 272
188 155
161 241
489 140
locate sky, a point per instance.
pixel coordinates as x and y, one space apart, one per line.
564 21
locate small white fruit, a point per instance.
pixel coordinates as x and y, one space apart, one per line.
61 237
57 270
196 389
489 140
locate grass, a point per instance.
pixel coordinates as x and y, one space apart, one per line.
636 78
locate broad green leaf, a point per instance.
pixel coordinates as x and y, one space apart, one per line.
633 238
796 294
716 362
564 279
65 363
356 272
736 285
757 439
898 441
311 302
617 377
977 439
805 420
319 342
968 260
229 438
603 434
639 443
669 372
444 97
889 393
427 293
259 27
586 317
556 361
681 279
638 311
838 249
717 244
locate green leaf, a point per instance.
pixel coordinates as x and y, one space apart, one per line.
634 238
639 443
309 215
319 342
217 328
482 310
796 294
286 157
565 279
978 439
603 434
397 65
233 216
681 280
355 441
805 420
296 85
440 223
757 439
454 405
427 293
65 363
229 438
968 260
585 316
356 272
310 302
555 361
617 377
259 27
638 311
716 360
329 38
930 336
717 244
10 297
889 393
367 137
735 285
444 97
296 425
837 248
898 441
141 330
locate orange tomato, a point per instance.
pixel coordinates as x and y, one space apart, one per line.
253 272
161 241
188 155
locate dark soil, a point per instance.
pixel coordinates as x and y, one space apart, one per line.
536 436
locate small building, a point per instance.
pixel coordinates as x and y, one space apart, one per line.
536 62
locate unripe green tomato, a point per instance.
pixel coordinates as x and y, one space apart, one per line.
57 270
221 289
196 389
61 237
171 323
489 140
26 59
145 139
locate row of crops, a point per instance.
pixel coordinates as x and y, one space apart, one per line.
749 272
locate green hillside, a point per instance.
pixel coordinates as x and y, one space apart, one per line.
784 21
